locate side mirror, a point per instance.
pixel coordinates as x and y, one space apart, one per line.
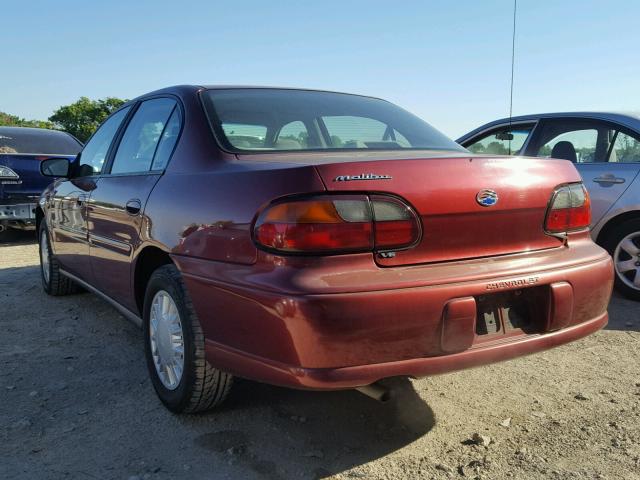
55 167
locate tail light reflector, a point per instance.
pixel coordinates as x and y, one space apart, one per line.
569 209
336 224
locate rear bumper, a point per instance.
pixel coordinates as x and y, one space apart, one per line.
308 332
356 376
22 212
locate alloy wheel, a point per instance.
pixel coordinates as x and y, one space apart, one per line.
626 258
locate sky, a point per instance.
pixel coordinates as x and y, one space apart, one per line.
448 62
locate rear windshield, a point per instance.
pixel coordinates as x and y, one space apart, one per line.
37 141
262 119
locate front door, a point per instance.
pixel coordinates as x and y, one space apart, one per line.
68 221
116 212
69 216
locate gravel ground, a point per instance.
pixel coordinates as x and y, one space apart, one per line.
76 402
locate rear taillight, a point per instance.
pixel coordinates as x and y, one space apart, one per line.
337 224
8 176
569 209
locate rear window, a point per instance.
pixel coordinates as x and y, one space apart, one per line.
37 141
264 119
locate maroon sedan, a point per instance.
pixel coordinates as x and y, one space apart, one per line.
316 240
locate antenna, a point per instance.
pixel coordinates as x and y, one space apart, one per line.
513 61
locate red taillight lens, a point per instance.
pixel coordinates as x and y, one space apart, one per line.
570 209
334 224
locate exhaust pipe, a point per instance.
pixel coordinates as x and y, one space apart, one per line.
376 391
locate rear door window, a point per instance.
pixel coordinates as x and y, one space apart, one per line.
577 140
168 141
580 145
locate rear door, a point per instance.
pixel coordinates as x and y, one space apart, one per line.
606 156
117 203
68 218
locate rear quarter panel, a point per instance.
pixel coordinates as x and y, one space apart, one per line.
208 215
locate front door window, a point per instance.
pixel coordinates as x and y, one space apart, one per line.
502 141
95 151
139 143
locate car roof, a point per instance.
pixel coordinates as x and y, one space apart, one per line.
178 89
629 120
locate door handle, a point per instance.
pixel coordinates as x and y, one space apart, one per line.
609 179
133 206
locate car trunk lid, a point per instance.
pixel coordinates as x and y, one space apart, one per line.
444 191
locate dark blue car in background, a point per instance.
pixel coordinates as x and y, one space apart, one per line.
21 151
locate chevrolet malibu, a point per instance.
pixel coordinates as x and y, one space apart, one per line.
316 240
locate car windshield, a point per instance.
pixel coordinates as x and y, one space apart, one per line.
37 141
265 119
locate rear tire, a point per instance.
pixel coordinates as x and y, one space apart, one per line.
53 282
184 381
623 244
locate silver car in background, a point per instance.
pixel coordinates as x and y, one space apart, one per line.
605 148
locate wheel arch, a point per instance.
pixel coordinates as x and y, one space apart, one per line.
39 217
615 222
148 260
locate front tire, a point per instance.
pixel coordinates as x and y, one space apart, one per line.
53 282
623 244
175 347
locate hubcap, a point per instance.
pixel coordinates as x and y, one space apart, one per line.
627 260
44 256
166 339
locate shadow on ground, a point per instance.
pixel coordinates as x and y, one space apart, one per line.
17 237
624 314
319 432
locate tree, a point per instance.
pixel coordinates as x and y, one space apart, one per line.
8 120
81 118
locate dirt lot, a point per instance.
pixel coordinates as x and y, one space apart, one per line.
75 402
